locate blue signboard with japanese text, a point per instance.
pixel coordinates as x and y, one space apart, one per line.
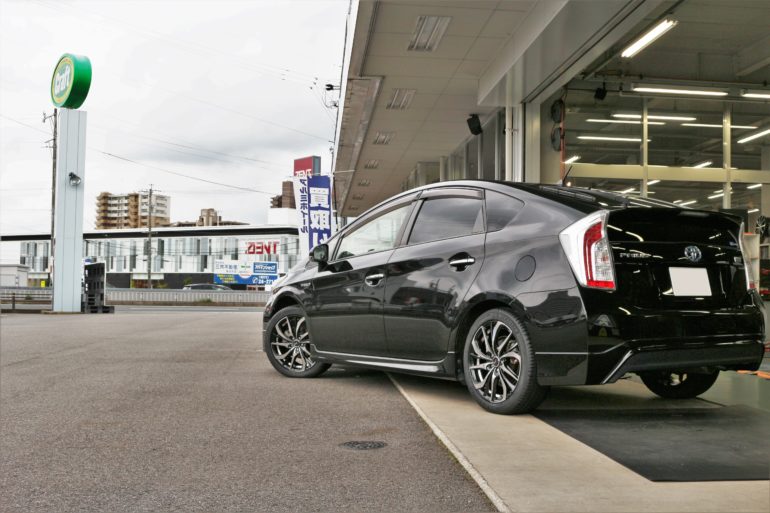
314 210
228 272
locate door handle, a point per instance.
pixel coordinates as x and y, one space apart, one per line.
462 263
373 279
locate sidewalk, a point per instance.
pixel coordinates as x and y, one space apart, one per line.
533 467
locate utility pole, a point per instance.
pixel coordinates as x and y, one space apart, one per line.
53 189
149 233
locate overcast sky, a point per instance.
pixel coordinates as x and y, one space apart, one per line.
218 90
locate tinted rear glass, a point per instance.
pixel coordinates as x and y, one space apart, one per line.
647 225
501 209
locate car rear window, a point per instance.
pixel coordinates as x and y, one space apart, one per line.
444 218
501 209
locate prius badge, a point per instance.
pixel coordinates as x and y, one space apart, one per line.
692 253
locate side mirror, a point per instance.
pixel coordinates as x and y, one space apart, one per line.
320 254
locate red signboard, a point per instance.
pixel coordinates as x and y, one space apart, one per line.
263 247
307 166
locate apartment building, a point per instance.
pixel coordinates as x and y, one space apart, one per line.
119 211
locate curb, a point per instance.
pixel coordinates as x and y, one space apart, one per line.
496 500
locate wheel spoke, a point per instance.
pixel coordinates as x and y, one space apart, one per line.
478 352
512 354
504 385
288 327
504 342
478 366
300 322
478 385
281 333
510 372
492 386
302 358
495 328
486 341
510 385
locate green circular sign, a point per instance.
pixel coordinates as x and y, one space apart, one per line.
71 81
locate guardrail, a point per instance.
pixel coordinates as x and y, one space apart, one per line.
145 296
176 296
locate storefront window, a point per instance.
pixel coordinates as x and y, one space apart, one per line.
488 150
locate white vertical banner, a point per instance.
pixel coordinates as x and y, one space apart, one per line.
301 202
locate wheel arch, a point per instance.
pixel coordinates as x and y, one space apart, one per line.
474 308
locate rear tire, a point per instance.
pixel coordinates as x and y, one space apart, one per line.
289 345
678 385
499 365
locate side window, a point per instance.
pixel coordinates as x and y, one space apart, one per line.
444 218
376 235
501 209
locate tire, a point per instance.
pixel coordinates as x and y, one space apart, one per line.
501 376
678 385
289 345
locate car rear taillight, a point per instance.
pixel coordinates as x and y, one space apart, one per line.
750 283
589 253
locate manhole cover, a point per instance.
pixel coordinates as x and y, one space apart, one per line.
363 446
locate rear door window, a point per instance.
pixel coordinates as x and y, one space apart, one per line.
445 218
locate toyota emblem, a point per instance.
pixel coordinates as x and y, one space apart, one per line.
692 253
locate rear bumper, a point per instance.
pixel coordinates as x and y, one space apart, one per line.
736 355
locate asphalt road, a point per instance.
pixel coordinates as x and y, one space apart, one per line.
178 411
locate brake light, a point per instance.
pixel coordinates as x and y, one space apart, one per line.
589 252
750 283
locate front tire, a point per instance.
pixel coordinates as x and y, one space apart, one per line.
499 365
289 345
678 385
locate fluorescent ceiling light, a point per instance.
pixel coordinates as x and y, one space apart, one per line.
383 137
671 89
364 183
753 210
755 186
685 203
705 163
754 136
372 164
656 116
428 33
401 100
678 201
607 138
629 121
709 125
626 191
756 93
653 182
572 159
648 37
715 196
358 196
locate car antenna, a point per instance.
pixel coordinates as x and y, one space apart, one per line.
564 180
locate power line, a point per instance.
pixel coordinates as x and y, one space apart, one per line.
125 159
156 168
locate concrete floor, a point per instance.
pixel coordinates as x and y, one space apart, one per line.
179 411
175 409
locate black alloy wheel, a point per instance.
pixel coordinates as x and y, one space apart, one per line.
289 350
499 365
678 385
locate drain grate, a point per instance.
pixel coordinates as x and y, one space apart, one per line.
363 446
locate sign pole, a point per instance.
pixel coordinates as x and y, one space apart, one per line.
70 83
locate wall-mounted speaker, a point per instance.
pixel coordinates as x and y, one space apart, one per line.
474 124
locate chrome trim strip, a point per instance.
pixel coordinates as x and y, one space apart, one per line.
434 367
617 367
587 353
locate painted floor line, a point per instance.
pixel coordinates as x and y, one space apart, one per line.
496 500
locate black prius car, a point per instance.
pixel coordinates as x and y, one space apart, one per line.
511 288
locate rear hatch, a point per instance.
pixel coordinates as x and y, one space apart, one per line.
667 258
